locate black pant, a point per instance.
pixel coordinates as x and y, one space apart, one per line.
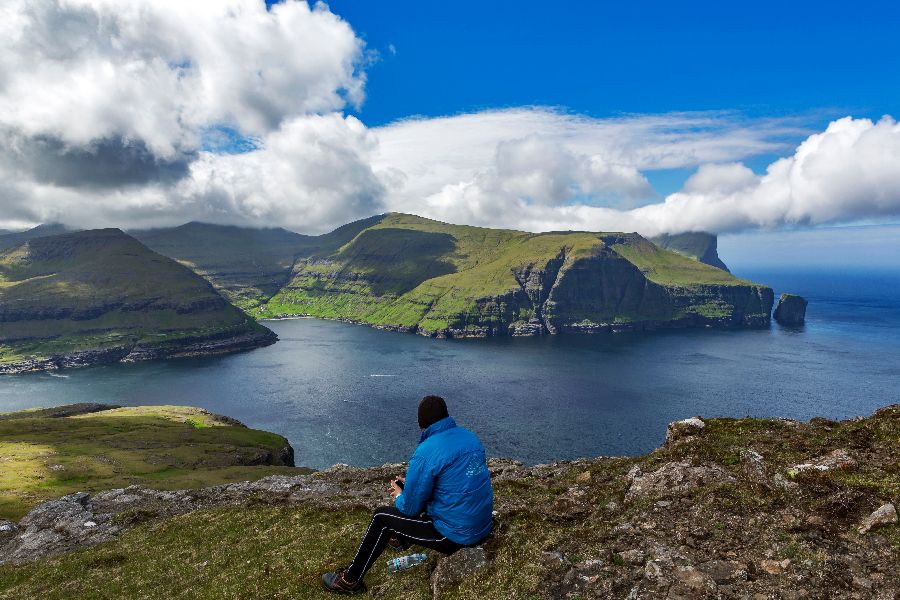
388 521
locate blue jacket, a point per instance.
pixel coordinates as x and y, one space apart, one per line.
448 478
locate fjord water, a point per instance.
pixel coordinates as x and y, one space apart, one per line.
347 393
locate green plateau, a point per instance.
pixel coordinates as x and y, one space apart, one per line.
47 453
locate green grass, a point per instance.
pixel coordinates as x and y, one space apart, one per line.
173 447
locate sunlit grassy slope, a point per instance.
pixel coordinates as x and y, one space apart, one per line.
103 289
166 447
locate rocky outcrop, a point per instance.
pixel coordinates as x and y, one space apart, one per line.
791 310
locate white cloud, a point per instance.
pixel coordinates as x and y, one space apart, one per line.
457 150
720 178
159 71
851 171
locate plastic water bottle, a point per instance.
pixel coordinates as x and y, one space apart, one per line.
405 562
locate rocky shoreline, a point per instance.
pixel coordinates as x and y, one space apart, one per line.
726 508
539 329
184 348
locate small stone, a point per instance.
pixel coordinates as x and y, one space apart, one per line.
775 567
886 514
632 557
633 473
90 524
815 521
553 558
57 467
692 583
623 527
784 484
725 571
7 527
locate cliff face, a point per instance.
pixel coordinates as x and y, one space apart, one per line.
100 296
697 245
411 274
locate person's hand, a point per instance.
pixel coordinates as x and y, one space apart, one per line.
396 490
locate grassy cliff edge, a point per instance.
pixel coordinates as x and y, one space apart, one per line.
727 508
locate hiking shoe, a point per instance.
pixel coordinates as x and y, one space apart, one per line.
335 582
396 543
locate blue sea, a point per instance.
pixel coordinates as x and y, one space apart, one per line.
348 393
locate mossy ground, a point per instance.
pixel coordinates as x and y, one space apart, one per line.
166 447
266 549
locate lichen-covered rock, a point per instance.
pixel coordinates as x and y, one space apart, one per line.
456 567
791 310
675 479
835 460
57 526
679 430
885 515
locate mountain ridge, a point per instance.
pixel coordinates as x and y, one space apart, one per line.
100 296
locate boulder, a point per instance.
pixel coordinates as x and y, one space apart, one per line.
456 567
885 515
679 430
791 310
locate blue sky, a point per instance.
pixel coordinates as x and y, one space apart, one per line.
601 58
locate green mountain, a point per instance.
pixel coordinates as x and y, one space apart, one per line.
101 296
407 273
698 245
11 239
248 266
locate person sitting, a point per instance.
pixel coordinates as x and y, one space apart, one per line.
445 502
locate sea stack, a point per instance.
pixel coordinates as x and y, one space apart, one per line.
791 309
